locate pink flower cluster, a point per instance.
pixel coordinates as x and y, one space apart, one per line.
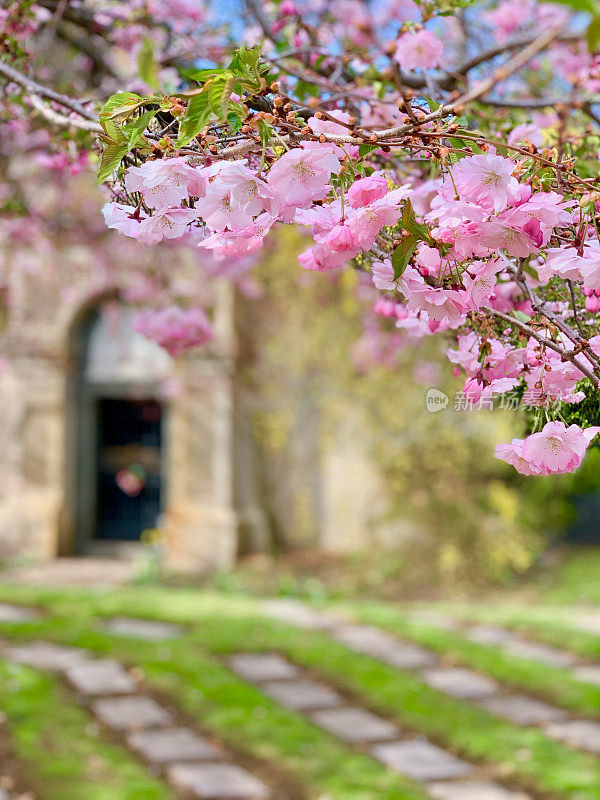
175 329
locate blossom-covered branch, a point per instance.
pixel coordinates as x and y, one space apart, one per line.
401 148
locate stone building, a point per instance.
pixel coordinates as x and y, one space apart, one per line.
103 436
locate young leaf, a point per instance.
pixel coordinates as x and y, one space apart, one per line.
410 224
110 160
402 254
365 149
135 130
196 117
219 92
121 105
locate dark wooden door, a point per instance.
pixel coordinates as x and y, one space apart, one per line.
128 468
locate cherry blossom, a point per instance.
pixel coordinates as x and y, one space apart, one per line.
553 450
174 328
419 50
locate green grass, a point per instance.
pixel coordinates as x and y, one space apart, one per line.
240 715
64 758
191 671
553 684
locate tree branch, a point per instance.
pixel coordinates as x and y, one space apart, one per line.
34 88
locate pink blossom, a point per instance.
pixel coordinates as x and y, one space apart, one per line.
175 329
219 209
237 244
419 50
321 258
164 182
367 190
340 239
567 263
165 223
480 285
442 305
509 16
514 454
553 450
319 126
498 235
429 259
486 180
592 301
526 133
121 218
368 221
383 275
248 192
302 175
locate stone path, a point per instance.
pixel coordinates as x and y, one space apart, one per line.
86 572
464 684
191 764
413 757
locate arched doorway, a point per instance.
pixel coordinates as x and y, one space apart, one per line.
119 421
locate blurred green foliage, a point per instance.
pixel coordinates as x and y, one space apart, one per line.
473 518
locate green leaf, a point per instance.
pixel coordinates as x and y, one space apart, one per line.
521 316
593 34
402 254
219 92
147 64
591 6
265 132
110 160
121 105
201 75
235 121
365 149
246 58
135 130
196 117
410 224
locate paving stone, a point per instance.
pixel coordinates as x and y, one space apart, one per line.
364 639
583 734
217 781
257 667
459 682
551 656
171 744
131 713
10 613
298 614
375 642
420 760
523 710
586 621
435 618
45 655
589 673
472 790
302 695
408 656
489 634
355 725
101 677
143 628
